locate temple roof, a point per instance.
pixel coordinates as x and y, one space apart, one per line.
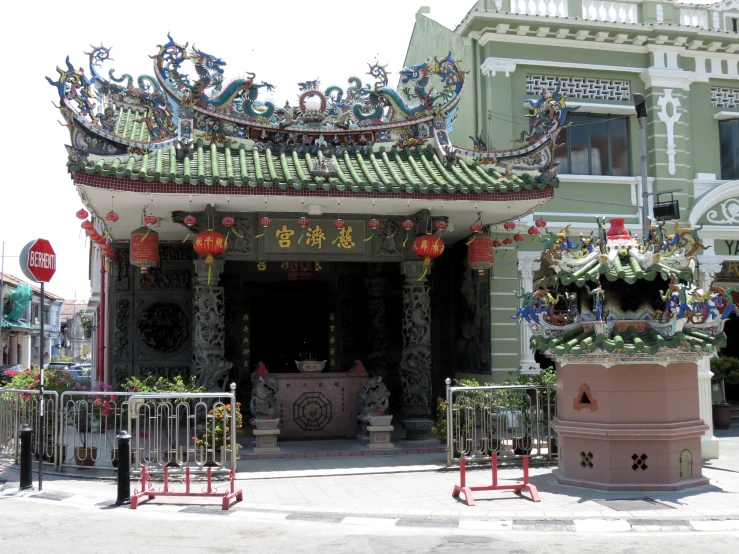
629 341
187 102
392 170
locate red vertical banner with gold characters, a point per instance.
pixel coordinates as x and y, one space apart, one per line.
332 341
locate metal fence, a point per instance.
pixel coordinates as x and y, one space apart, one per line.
512 421
196 430
19 407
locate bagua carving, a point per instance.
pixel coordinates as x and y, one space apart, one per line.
263 396
374 398
120 335
208 336
163 327
240 238
179 279
415 366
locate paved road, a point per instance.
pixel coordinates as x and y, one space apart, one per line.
30 524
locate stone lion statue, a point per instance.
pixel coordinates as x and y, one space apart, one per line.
374 396
263 396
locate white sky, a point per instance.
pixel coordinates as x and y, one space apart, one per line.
283 42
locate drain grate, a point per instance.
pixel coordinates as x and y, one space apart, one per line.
211 510
325 518
633 504
51 495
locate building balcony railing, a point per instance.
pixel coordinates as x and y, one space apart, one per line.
617 12
694 18
552 8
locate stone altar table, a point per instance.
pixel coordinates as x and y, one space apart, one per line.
318 405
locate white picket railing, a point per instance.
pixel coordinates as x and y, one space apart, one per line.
694 18
552 8
617 12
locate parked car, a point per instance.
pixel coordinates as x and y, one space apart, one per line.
81 374
57 365
5 379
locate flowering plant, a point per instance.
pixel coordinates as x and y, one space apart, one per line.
30 379
218 428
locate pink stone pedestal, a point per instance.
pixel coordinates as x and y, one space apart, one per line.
629 426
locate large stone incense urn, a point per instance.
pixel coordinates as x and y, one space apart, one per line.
626 328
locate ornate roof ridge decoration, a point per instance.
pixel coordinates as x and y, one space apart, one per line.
624 298
118 115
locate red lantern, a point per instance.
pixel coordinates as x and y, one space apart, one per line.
480 254
518 237
87 224
441 224
427 247
540 222
533 230
112 216
91 233
82 213
507 241
190 220
303 222
476 227
150 219
496 243
509 225
209 244
339 223
373 224
408 225
144 248
264 223
104 246
228 221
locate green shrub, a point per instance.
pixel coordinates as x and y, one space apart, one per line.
725 370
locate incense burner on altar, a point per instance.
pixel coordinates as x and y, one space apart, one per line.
310 366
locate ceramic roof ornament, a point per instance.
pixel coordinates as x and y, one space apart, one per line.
617 297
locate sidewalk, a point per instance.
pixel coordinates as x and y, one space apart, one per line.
418 487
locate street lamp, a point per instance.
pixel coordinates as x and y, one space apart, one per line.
640 104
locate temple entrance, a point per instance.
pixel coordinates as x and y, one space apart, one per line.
291 322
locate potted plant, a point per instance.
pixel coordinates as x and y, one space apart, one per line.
217 433
725 370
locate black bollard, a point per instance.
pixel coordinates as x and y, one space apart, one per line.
124 468
26 460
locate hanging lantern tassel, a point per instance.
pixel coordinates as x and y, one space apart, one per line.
303 222
426 264
145 235
470 241
408 225
187 236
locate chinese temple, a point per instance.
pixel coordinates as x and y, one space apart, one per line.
627 324
343 226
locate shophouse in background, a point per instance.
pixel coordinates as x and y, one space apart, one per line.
21 323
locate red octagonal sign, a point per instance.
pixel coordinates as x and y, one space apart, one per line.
38 260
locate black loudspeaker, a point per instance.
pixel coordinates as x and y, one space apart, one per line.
665 211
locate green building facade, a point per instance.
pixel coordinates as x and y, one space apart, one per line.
683 58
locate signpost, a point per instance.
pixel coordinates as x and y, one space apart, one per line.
38 263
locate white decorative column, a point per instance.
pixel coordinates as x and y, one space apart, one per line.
528 264
25 360
708 267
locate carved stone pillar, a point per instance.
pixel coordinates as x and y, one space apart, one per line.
415 365
208 333
526 268
376 362
709 444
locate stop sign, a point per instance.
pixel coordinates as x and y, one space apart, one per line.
38 260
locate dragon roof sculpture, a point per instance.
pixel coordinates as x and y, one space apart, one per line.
186 100
616 296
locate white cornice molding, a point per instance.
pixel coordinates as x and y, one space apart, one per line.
491 66
569 65
669 78
725 115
